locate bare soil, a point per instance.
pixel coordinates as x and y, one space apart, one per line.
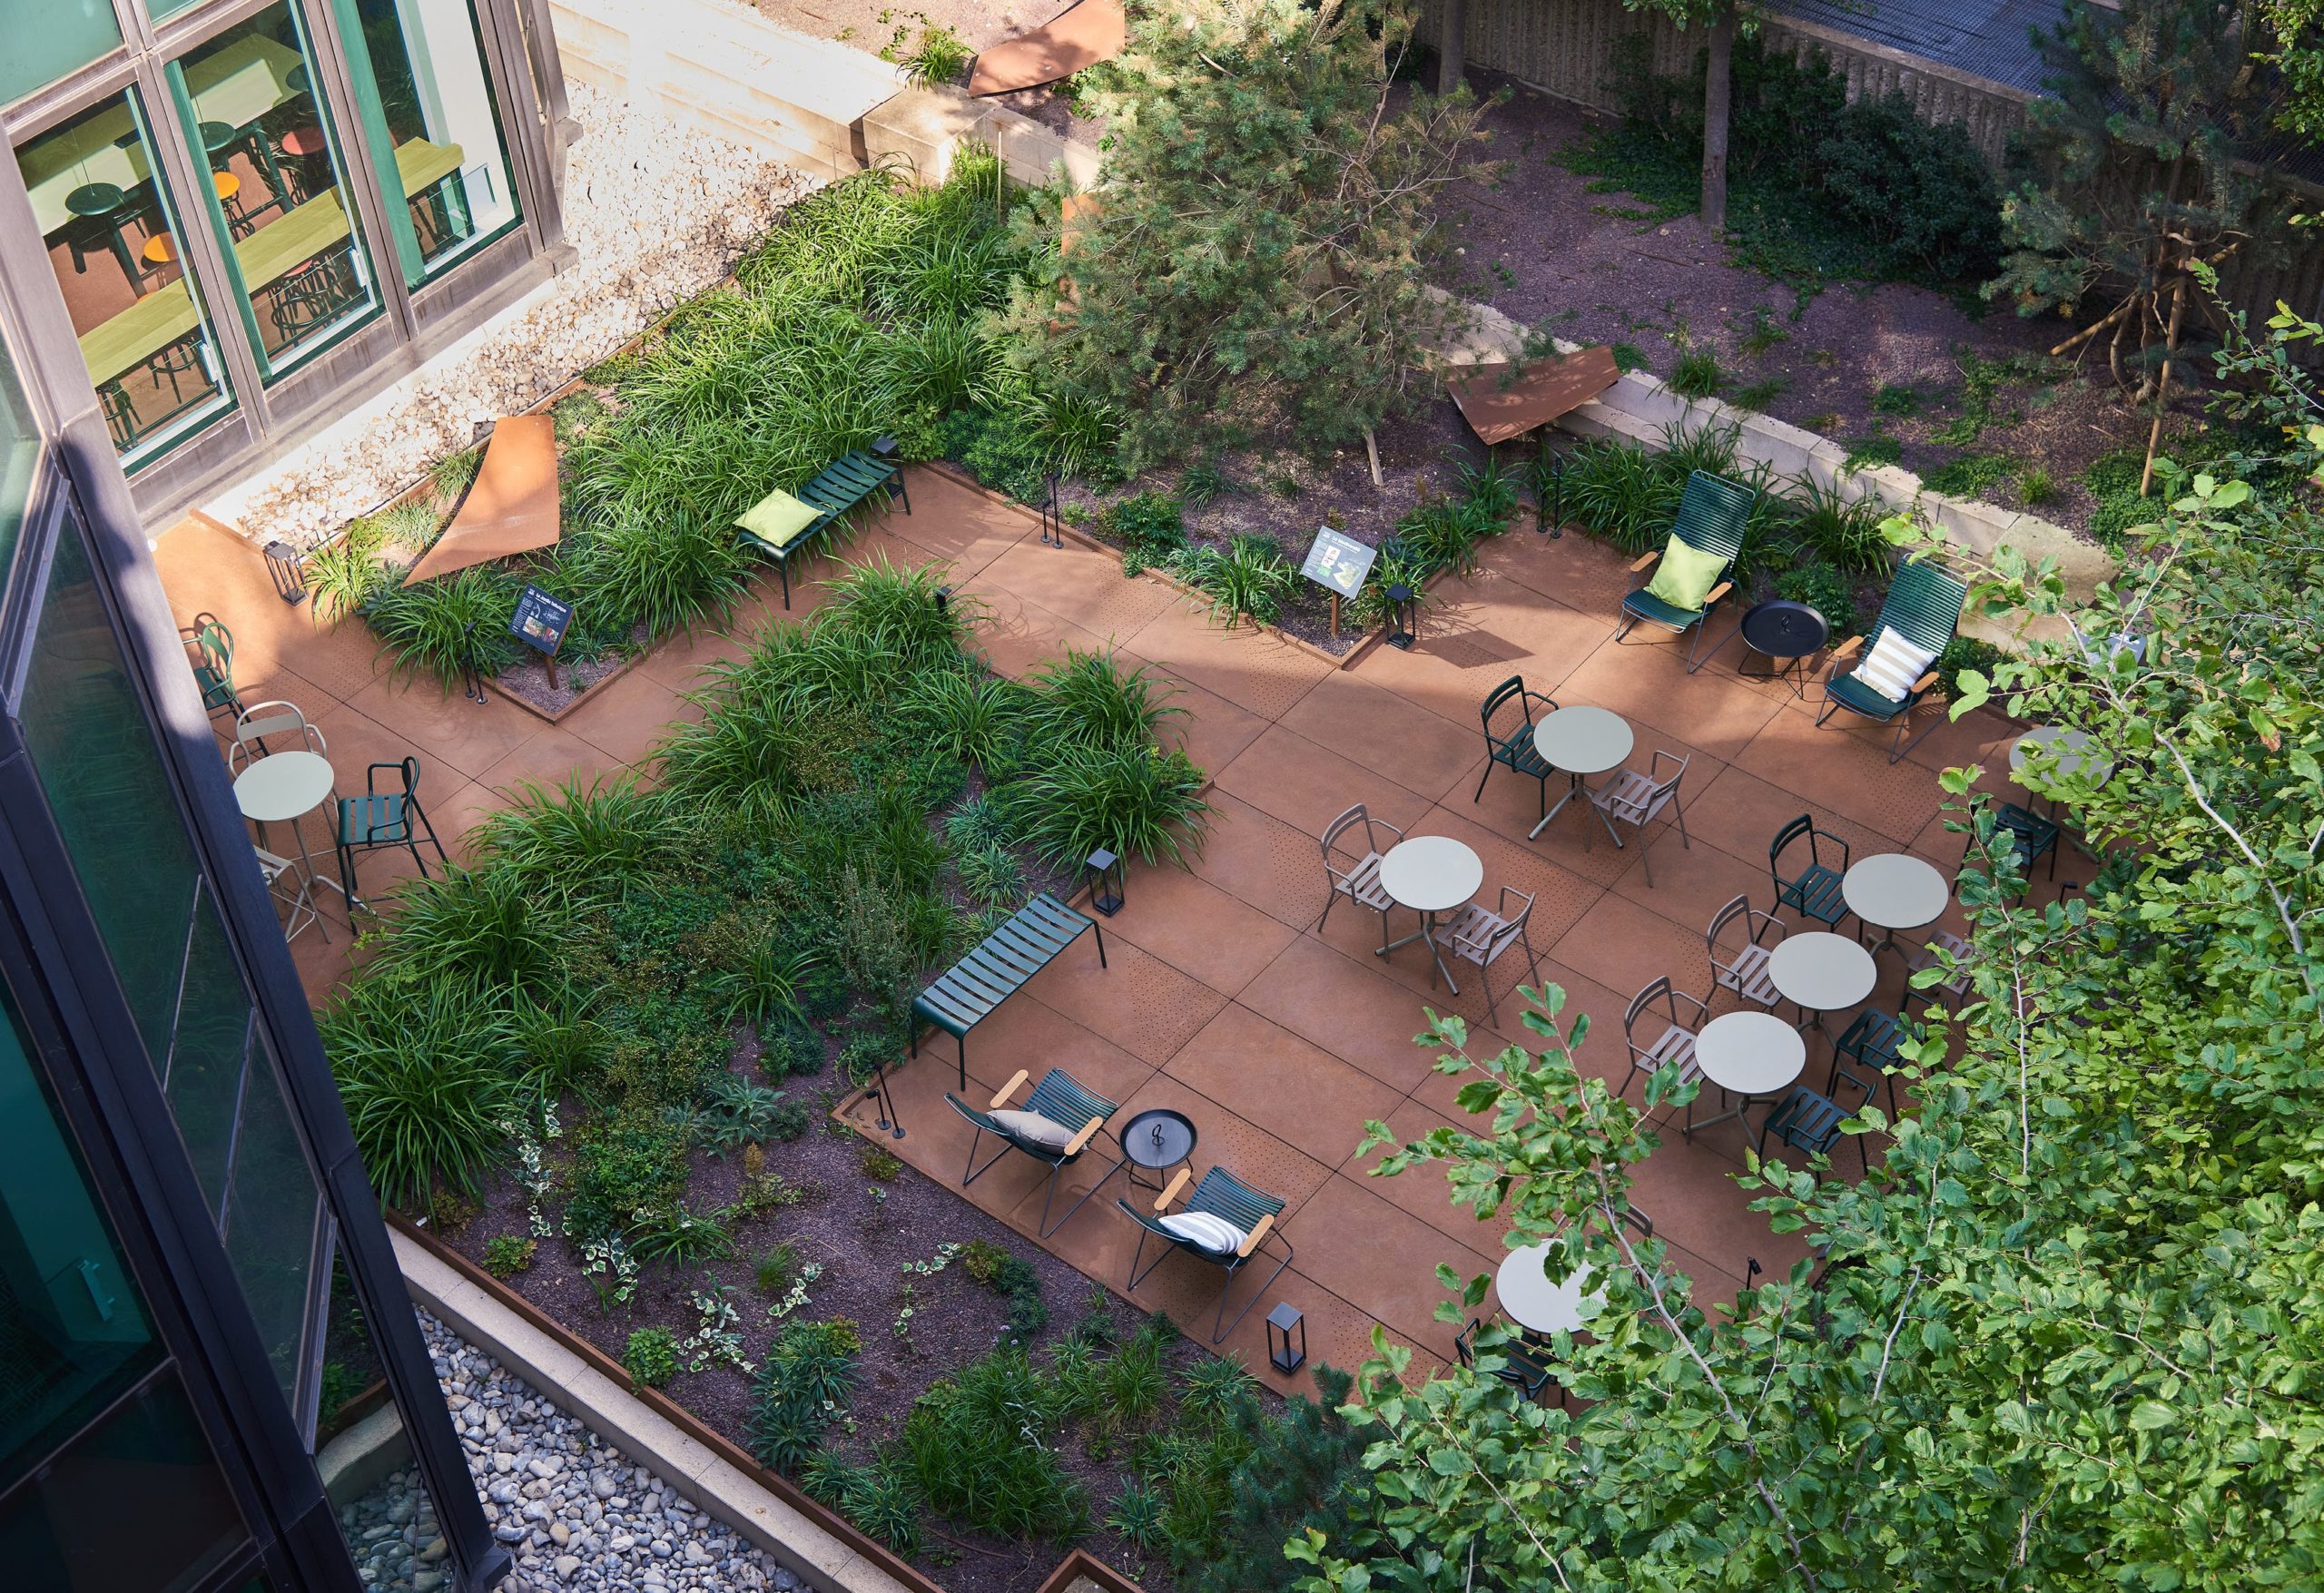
528 679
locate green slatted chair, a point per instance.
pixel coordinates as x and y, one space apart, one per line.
209 649
815 507
1059 1098
1223 1196
1924 607
1712 515
999 966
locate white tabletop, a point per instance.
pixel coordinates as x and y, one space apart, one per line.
282 785
1750 1053
2068 751
1534 1303
1431 873
1895 891
1822 972
1583 740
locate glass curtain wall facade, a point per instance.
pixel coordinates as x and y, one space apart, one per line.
182 1217
225 193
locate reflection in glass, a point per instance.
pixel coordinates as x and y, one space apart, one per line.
19 451
288 214
113 234
48 38
428 60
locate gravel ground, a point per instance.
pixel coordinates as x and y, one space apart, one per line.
655 213
573 1509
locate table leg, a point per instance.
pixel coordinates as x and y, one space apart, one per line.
120 243
1572 789
1437 956
1736 1116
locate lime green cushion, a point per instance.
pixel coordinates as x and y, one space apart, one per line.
1685 574
778 519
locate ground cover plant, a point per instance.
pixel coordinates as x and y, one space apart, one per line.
619 1029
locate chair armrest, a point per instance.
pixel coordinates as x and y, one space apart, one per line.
1073 1148
1924 683
1645 559
1009 1089
1718 592
1847 647
1251 1240
1170 1190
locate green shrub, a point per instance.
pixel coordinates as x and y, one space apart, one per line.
1760 395
1149 522
1866 453
996 452
343 576
979 1446
1965 652
676 1236
734 1111
793 1050
993 878
1250 579
1899 400
1089 700
982 1259
877 1163
1824 590
651 1357
1696 375
787 1122
507 1254
1135 1517
806 1383
1845 530
424 1073
2036 488
443 626
622 1166
772 1273
1133 802
1970 474
1444 533
1617 492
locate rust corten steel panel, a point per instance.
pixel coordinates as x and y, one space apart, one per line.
1089 32
1497 408
512 507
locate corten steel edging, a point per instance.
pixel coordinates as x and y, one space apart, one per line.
865 1547
1082 1564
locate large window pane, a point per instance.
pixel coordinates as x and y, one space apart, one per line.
72 1329
289 220
48 38
272 1207
114 242
19 452
428 60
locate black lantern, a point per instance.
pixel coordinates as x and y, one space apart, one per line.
282 569
883 446
944 599
1105 871
1280 1321
1052 517
1404 616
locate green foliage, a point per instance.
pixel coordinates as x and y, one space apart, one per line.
1760 395
1965 652
1150 522
1869 453
443 626
1901 400
1089 700
507 1254
734 1111
998 453
807 1381
877 1163
979 1446
651 1357
793 1050
1846 530
343 575
1136 1516
1133 802
1249 579
1824 590
772 1271
936 60
1698 375
425 1077
2036 488
1970 474
1259 140
623 1170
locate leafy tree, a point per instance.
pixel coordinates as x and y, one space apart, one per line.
2064 1334
2295 29
1256 253
2133 178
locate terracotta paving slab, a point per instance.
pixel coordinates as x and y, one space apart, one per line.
1380 731
627 718
1079 584
1251 668
1136 1000
1263 861
1197 929
1648 683
1341 1003
1302 1095
1306 786
1018 635
1361 1246
1834 767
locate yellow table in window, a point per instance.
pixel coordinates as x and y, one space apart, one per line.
165 315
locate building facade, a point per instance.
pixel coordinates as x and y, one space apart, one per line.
193 1271
256 213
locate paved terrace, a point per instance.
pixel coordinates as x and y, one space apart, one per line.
1222 999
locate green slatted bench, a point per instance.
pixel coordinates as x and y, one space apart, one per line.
988 976
838 487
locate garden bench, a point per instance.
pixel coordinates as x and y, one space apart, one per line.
781 524
988 976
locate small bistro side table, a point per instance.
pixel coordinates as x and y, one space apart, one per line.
1581 741
1785 633
1156 1139
1429 874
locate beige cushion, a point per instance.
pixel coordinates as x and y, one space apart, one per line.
1034 1129
1893 665
1214 1234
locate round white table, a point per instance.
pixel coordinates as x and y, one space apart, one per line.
1429 874
1749 1055
1895 890
1581 741
1820 972
282 788
1536 1304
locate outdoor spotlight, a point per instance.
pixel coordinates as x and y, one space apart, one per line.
1280 1321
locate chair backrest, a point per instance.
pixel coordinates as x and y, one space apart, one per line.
1514 686
1713 513
1923 605
1809 1121
1340 826
1656 990
1803 825
1061 1098
1223 1194
277 718
214 643
408 769
1740 908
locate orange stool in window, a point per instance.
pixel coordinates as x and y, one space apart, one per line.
158 251
303 149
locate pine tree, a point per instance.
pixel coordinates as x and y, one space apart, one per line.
1254 261
1305 1469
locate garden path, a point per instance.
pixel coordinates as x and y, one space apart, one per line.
1222 999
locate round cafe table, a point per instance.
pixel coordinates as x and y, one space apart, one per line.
1429 874
1748 1055
1529 1300
1581 741
1895 890
1820 972
281 788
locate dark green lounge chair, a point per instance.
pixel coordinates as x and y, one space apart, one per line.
1060 1098
812 510
1924 607
1222 1194
1712 515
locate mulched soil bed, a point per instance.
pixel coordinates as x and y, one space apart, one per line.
529 680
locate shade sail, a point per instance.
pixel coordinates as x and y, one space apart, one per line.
1499 408
511 508
1082 36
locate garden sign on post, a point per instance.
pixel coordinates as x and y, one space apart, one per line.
1338 563
540 623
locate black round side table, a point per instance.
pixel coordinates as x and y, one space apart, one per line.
1155 1139
1784 633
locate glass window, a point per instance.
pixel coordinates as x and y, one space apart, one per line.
282 208
427 62
19 452
48 38
114 243
160 9
272 1209
74 1336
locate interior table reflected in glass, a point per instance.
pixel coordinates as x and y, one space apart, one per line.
427 59
280 185
111 230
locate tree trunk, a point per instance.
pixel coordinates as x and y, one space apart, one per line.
1452 44
2163 385
1718 92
